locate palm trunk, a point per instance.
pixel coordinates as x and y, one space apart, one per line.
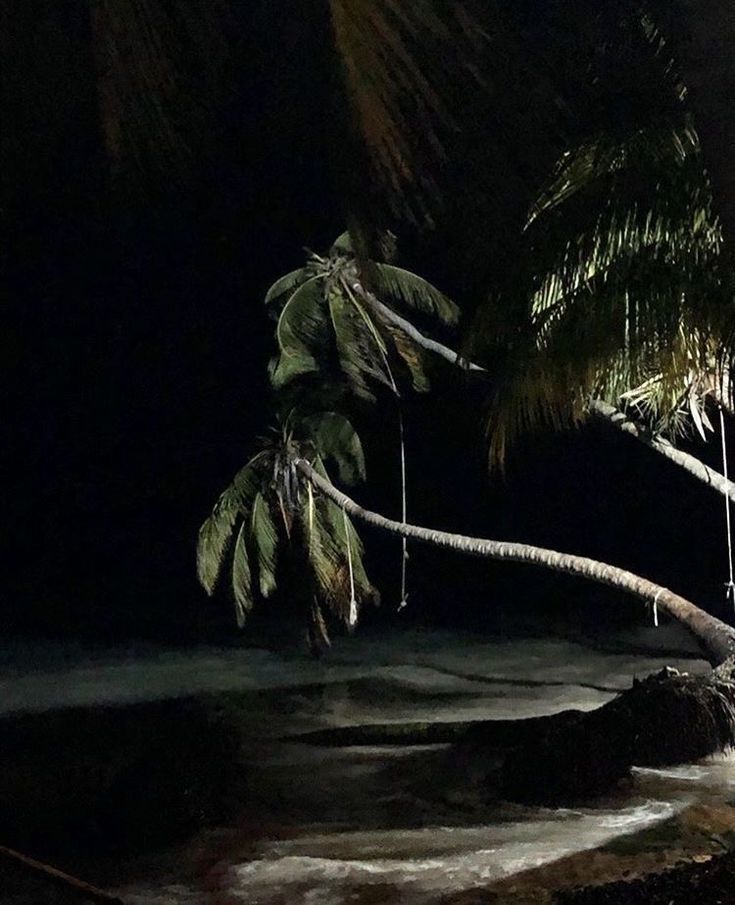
601 410
690 464
716 638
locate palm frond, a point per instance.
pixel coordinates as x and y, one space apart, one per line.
343 244
160 66
215 535
336 555
413 291
622 288
242 582
300 333
360 348
286 284
335 438
264 539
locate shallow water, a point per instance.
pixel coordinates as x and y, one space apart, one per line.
338 826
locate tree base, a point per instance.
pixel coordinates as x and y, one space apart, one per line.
668 718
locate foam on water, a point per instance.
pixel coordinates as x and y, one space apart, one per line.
422 864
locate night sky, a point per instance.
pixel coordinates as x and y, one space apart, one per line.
134 364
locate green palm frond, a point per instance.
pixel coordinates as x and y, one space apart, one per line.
415 292
264 509
336 556
287 284
335 438
300 333
215 535
242 581
264 539
360 348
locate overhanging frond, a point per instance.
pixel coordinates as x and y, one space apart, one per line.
301 333
335 438
215 534
415 292
264 539
242 584
287 284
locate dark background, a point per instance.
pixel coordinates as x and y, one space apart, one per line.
134 354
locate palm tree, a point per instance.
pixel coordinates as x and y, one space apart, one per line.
716 637
266 523
667 719
326 314
695 393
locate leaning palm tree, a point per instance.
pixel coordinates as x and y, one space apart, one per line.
327 315
267 522
667 719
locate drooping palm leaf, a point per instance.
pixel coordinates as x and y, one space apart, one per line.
360 348
335 438
242 583
264 539
215 534
386 83
300 333
287 284
415 292
622 283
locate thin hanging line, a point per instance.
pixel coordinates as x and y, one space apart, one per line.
655 607
730 584
352 618
404 544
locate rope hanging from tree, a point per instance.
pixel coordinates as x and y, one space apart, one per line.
730 584
352 617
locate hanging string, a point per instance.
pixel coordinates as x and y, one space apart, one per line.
352 618
730 584
655 607
404 515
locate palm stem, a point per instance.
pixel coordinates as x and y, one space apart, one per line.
715 637
689 463
601 410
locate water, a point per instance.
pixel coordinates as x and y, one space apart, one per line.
336 826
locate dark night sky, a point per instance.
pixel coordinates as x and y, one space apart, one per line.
135 353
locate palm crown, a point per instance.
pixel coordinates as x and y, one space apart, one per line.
327 316
266 507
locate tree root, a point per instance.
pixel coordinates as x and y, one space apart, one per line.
668 718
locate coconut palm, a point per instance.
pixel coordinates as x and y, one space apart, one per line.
266 522
326 315
716 637
667 719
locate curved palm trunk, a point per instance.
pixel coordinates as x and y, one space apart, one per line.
601 410
690 464
715 637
